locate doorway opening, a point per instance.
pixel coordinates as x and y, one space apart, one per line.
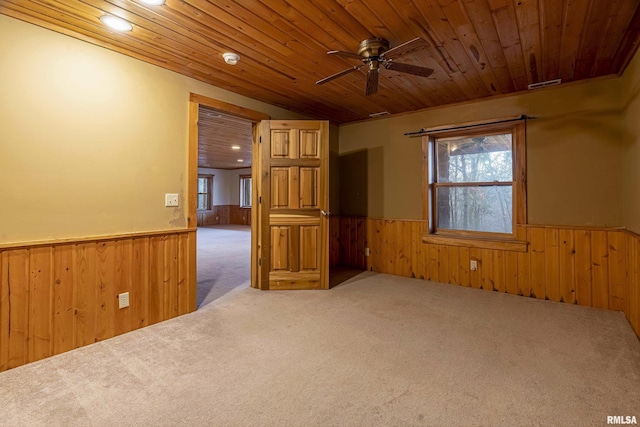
220 195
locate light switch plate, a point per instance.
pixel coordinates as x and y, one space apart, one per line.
171 200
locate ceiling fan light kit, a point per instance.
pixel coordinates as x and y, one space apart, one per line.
375 52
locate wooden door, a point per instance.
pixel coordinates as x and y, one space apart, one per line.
291 172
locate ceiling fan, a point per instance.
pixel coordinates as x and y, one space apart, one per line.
375 52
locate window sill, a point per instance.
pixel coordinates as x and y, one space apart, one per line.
482 243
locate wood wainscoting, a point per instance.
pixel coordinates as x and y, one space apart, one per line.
632 310
594 267
59 295
224 215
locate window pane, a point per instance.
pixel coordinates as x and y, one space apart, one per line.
202 185
245 192
475 208
203 201
477 159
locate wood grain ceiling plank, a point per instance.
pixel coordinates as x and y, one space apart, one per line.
171 41
457 16
226 38
314 39
343 19
387 16
311 11
443 31
370 21
446 71
528 18
294 38
246 34
574 21
313 34
446 84
415 90
621 15
343 37
551 18
628 46
480 16
289 17
504 18
596 23
180 40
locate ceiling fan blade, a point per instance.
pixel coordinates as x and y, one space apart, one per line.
345 54
411 45
340 74
372 82
409 69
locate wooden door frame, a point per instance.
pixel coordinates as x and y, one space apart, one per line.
255 117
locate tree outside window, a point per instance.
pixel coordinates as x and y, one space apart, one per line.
475 180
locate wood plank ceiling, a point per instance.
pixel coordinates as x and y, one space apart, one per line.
478 48
224 141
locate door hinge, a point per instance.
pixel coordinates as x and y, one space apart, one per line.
260 262
260 140
259 199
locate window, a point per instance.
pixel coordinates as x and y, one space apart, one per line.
205 188
476 180
245 191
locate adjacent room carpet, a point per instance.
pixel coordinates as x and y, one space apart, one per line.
224 256
378 350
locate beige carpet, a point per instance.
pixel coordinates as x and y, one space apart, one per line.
224 257
378 350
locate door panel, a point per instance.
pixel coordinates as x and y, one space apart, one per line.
309 247
293 200
309 187
281 188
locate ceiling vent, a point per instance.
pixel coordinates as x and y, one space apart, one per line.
545 84
380 114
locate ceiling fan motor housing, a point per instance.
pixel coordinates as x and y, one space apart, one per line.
373 47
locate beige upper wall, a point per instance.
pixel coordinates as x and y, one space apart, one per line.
631 156
226 184
573 153
91 140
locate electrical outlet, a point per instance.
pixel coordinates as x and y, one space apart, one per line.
123 300
473 265
170 200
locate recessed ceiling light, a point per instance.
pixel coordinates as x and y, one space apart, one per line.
153 2
231 58
116 23
240 160
235 147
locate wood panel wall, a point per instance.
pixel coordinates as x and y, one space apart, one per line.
225 214
594 267
58 296
632 309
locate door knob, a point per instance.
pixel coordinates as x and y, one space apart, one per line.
325 213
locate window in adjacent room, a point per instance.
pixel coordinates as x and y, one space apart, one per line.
205 188
245 191
476 180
